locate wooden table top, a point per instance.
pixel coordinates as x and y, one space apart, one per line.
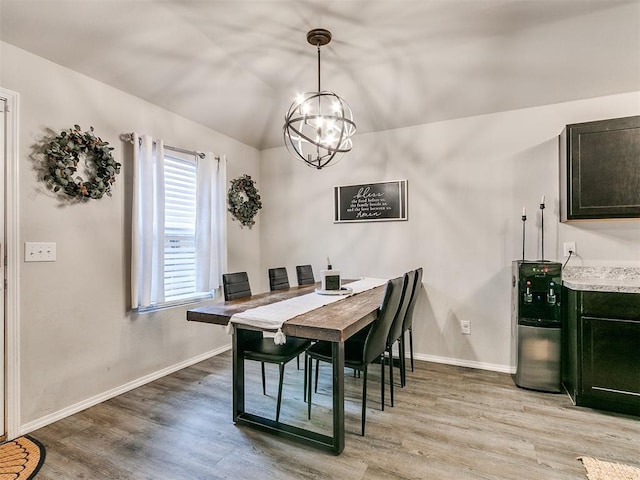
334 322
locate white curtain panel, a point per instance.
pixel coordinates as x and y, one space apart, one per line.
211 224
147 247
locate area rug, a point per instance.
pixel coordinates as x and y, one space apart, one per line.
600 470
20 459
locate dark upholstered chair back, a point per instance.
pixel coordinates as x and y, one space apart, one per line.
407 289
236 285
278 279
376 342
408 317
305 275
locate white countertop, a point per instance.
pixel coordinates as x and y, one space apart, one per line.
602 279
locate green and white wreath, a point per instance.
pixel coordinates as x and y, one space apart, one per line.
244 200
64 152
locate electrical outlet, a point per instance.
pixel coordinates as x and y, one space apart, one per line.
39 252
465 327
569 246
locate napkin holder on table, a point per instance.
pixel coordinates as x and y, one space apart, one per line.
330 280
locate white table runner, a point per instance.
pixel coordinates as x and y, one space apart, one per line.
271 317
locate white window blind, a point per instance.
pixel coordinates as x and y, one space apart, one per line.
180 228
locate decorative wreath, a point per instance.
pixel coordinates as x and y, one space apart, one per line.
244 200
63 154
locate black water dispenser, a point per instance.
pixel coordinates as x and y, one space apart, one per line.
537 321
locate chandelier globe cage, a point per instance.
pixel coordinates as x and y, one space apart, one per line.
319 125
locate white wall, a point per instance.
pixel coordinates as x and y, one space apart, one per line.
468 181
77 338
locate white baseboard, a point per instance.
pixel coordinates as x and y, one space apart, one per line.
90 402
466 363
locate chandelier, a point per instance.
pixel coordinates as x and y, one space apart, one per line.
319 125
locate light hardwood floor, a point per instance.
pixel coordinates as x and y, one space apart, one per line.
447 423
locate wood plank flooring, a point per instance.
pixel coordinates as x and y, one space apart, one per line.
447 423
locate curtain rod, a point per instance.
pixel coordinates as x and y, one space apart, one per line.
128 137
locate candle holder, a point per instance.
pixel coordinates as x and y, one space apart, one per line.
524 221
542 228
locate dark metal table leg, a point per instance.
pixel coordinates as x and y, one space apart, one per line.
241 338
333 444
238 373
337 352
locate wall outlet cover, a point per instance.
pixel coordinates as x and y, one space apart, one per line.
569 246
465 327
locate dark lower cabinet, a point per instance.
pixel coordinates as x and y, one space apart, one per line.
601 367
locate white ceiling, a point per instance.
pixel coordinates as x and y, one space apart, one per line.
236 65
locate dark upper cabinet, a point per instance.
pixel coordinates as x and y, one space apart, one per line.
600 169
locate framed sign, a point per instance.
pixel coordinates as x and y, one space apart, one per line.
371 202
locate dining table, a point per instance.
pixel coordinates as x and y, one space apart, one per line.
335 323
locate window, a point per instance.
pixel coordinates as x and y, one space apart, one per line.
178 247
179 228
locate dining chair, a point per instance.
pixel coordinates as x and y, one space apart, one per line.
259 348
265 350
305 275
359 355
278 279
236 285
408 319
395 332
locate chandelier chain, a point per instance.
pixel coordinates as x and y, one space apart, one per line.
319 67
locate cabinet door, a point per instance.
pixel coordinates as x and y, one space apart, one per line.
611 364
571 362
600 169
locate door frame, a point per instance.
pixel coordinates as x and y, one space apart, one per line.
12 252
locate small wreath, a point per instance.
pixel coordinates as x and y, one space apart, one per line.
63 154
244 200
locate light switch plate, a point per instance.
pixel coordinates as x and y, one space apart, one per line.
39 252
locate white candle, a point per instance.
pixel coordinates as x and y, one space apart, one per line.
524 211
542 200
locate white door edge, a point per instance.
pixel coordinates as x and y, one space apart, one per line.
12 249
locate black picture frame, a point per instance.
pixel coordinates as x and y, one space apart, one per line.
371 202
